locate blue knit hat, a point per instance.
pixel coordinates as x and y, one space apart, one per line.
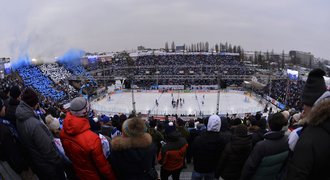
105 119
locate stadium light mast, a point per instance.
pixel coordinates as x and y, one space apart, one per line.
104 78
218 98
133 99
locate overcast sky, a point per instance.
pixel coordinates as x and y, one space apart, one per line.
49 28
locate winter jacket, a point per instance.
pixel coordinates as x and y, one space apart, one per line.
274 143
11 149
311 157
38 140
184 131
257 134
233 157
11 106
157 137
193 134
172 154
132 157
206 150
83 147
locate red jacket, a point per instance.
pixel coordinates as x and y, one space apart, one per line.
172 154
83 147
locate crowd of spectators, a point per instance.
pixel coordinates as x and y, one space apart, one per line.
79 71
192 64
59 75
95 65
32 76
55 72
286 91
163 67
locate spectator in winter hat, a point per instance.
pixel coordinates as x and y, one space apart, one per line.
45 160
314 90
79 107
104 119
116 123
106 125
53 125
88 160
132 153
311 153
207 148
172 154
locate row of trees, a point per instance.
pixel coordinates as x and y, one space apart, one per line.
204 47
266 59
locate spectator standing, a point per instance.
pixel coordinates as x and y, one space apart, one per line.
182 128
81 145
207 149
46 162
11 149
313 90
268 155
193 133
311 154
157 136
12 103
234 155
132 155
172 154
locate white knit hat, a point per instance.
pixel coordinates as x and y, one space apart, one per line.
52 123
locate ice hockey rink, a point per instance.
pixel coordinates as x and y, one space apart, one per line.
194 103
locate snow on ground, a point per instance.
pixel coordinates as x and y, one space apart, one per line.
230 102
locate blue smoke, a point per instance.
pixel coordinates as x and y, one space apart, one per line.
72 56
21 61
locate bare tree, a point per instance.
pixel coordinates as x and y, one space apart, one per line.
166 46
217 48
173 46
207 46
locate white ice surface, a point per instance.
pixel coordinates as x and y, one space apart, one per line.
230 102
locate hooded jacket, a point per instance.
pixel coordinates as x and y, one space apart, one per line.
311 157
83 147
38 140
207 147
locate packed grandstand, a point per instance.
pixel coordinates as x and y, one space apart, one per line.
61 82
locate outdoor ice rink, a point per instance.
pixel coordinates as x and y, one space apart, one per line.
230 102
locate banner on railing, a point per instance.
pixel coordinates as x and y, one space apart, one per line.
173 87
204 87
276 103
